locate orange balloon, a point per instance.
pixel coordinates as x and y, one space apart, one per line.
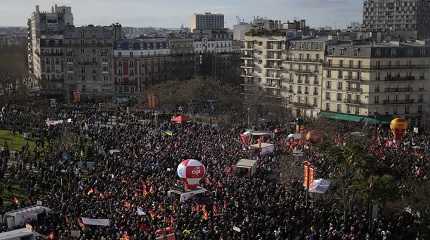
398 127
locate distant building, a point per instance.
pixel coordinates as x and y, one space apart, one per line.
402 19
351 80
63 58
87 58
207 21
140 63
50 27
216 55
377 80
239 31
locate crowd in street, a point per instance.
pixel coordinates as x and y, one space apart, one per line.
73 171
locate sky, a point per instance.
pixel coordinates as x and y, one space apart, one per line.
174 13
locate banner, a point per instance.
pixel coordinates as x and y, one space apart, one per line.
53 122
95 222
309 174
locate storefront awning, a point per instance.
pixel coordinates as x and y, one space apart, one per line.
356 118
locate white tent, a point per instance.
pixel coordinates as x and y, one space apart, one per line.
295 136
22 233
320 186
184 196
265 148
95 221
248 164
23 215
261 133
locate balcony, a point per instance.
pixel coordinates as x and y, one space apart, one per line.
399 78
305 60
406 89
303 105
351 78
353 102
305 71
273 86
273 77
404 101
247 66
269 66
346 67
356 90
247 56
385 67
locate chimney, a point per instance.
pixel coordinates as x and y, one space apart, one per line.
37 9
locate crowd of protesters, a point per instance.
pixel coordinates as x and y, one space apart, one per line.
72 171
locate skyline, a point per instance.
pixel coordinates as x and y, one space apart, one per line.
318 13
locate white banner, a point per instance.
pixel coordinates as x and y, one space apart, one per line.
95 222
53 122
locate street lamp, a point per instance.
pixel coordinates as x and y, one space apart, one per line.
248 115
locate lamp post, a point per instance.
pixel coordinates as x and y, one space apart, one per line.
248 115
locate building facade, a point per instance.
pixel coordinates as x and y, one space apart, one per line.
348 79
140 63
207 21
88 53
261 67
389 79
402 19
45 43
302 75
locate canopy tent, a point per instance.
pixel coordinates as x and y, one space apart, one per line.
112 151
184 196
295 136
356 118
320 186
179 119
21 216
95 222
22 233
247 164
261 133
265 148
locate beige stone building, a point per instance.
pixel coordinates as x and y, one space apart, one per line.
377 81
261 65
345 80
302 75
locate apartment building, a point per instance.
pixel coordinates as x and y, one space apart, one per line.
377 81
261 66
87 58
302 75
346 80
139 63
207 21
45 42
398 18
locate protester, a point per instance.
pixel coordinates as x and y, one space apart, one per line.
73 172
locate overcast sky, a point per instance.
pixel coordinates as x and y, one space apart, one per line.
173 13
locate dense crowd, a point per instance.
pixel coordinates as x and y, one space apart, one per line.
73 172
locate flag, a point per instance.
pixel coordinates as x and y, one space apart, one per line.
167 133
140 212
205 214
245 138
15 200
309 174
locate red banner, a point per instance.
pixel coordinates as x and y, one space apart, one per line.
309 174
